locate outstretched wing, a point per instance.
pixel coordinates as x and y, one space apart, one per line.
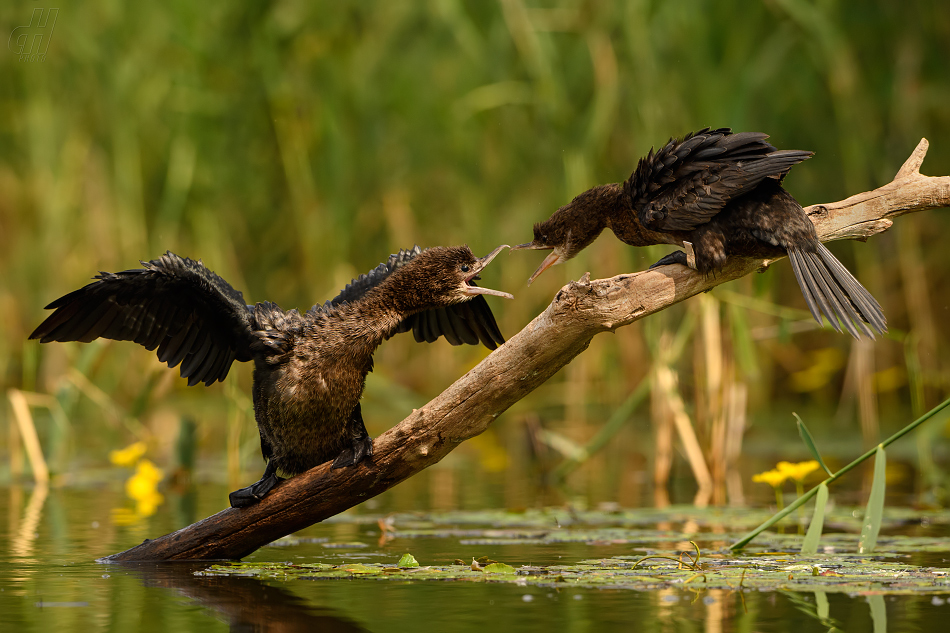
468 323
174 304
689 181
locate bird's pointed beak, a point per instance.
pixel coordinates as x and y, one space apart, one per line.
531 246
482 262
552 259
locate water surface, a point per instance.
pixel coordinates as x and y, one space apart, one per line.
49 580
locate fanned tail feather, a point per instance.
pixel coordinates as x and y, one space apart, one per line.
831 290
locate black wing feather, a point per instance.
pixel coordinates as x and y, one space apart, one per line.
446 327
688 181
476 317
468 323
364 283
174 304
461 327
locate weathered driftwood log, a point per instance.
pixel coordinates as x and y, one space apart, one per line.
579 311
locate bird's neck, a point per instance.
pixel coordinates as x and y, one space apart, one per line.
587 215
606 206
599 208
374 317
367 322
623 220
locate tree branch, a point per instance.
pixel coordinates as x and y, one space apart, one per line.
579 311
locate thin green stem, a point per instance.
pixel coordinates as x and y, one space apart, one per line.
779 503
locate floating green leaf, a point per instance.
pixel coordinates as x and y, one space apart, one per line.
498 568
359 568
810 442
874 512
810 545
407 560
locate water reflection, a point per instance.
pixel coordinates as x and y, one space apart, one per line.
246 604
24 534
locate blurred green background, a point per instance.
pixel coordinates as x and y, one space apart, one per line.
293 145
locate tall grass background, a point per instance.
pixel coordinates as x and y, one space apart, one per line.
293 145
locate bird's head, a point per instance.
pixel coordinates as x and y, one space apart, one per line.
553 236
445 275
571 228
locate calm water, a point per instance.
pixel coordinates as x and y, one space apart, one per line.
50 582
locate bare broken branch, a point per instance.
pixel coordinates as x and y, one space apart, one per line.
579 311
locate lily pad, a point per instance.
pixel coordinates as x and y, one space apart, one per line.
771 563
498 568
407 560
793 573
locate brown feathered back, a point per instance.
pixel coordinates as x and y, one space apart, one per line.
689 181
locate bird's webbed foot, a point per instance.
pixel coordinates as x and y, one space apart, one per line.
361 444
255 492
676 257
360 450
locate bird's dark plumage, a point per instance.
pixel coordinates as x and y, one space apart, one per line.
688 182
461 324
176 305
309 369
720 192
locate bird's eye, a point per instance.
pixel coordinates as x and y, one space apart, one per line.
464 268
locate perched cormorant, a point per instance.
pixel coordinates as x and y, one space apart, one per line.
309 369
722 193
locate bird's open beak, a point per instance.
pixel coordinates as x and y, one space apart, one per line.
551 260
481 262
531 246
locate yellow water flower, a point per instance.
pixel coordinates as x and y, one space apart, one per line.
142 485
148 470
146 506
139 487
774 478
129 455
798 471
